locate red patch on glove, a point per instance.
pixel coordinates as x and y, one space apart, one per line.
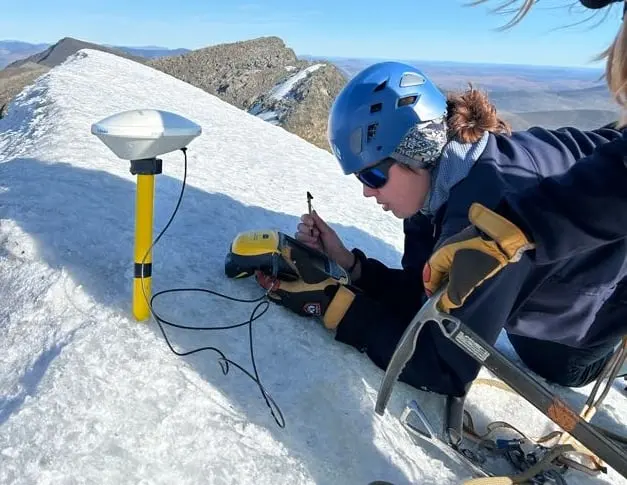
426 277
266 281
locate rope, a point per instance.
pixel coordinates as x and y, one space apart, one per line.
555 459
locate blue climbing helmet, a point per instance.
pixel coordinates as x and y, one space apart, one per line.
388 110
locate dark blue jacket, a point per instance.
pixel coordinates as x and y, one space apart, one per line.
580 210
556 302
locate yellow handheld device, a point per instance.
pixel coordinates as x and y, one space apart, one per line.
277 254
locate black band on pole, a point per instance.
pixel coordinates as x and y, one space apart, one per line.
147 270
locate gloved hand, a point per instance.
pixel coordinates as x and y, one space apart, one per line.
473 255
327 299
316 233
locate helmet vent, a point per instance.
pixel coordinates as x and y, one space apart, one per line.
372 131
355 142
407 100
381 86
375 108
411 79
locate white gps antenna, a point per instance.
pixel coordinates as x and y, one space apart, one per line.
145 133
140 136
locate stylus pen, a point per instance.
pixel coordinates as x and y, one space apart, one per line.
309 197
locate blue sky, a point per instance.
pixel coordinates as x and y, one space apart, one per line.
408 29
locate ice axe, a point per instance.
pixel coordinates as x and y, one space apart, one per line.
525 385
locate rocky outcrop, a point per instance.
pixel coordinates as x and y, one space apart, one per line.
264 77
237 72
301 102
13 80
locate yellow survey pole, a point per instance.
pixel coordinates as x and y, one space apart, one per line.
139 136
144 214
144 204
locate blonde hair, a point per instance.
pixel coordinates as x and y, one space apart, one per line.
616 70
470 114
615 54
504 8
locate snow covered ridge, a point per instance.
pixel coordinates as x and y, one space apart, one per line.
283 89
87 395
301 102
274 105
245 73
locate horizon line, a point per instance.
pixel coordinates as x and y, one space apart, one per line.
321 56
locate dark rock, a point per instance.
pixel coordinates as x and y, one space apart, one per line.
301 102
13 80
237 72
251 74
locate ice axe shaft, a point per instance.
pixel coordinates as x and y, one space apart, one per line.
525 385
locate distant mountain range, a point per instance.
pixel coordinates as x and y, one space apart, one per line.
526 96
492 77
15 50
262 76
59 52
266 78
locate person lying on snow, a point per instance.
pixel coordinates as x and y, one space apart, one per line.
427 158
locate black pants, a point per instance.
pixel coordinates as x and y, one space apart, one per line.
561 364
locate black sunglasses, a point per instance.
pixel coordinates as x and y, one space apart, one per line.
376 176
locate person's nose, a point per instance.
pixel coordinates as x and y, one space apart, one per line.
369 191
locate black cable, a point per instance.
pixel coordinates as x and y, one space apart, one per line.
223 360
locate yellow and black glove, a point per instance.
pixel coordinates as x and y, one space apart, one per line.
327 299
473 255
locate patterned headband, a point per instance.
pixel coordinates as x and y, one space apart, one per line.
422 146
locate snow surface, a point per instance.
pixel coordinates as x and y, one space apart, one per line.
269 116
281 90
88 395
